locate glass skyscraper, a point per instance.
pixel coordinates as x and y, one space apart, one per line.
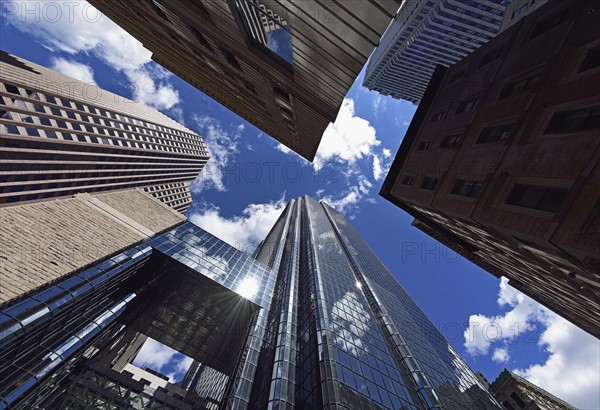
313 320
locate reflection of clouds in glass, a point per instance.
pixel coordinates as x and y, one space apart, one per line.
248 287
212 266
349 318
280 41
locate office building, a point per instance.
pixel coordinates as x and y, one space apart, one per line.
425 34
500 162
61 136
283 66
514 392
312 320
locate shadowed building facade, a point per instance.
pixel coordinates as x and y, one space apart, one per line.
514 392
501 160
283 66
60 136
313 320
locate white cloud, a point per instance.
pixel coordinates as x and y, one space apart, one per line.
222 146
387 153
379 104
572 369
73 69
377 171
501 355
346 140
77 27
243 231
347 202
154 354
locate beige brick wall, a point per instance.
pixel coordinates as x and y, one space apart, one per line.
45 241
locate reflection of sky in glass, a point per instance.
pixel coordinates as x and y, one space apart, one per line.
280 42
348 326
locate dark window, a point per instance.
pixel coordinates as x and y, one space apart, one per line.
424 146
67 136
520 86
438 116
546 25
450 141
32 132
507 405
591 60
56 112
517 399
456 76
38 108
230 57
66 103
493 134
574 120
79 106
408 180
466 188
284 95
12 89
81 138
467 105
541 198
429 183
489 57
45 121
518 11
71 115
61 124
198 36
11 129
51 99
51 134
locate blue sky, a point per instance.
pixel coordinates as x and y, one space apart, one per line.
251 177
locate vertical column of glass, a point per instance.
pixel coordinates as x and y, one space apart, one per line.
434 366
239 391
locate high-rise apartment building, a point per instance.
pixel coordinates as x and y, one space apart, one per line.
313 320
518 9
425 34
515 392
283 66
60 136
501 161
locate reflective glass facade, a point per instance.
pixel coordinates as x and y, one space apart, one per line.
312 321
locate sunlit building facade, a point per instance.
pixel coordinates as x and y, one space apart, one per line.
425 34
60 136
312 320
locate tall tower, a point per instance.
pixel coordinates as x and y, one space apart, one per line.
425 34
60 136
283 66
313 320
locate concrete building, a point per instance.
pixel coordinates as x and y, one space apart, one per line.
283 66
60 136
425 34
514 392
501 160
313 320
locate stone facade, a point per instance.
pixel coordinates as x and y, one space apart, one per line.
43 242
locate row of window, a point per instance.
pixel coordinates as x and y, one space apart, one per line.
88 109
541 198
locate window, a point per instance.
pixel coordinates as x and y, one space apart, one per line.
429 183
518 11
489 57
438 116
520 86
574 120
518 399
546 199
466 188
591 60
32 132
424 146
493 134
450 141
456 76
507 405
230 58
546 25
467 105
198 36
408 180
12 89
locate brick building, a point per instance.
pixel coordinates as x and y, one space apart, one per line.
283 66
501 160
